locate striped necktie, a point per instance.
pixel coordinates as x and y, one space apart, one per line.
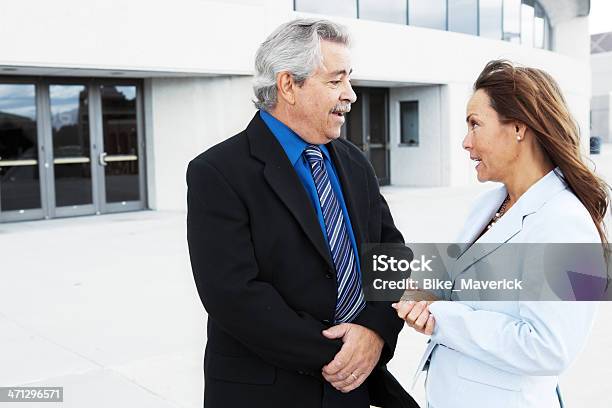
350 301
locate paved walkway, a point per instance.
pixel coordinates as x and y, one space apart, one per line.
106 307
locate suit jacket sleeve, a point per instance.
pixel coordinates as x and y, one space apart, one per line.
380 316
226 275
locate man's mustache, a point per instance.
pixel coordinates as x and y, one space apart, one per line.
346 108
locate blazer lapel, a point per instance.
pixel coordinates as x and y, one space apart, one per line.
511 223
353 181
282 178
477 248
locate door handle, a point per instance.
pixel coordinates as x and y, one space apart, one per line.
101 159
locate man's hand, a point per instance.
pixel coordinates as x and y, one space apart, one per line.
357 357
416 315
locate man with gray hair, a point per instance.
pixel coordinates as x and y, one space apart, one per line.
276 218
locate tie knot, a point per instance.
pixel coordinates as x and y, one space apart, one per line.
313 154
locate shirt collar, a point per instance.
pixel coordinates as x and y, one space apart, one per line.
293 144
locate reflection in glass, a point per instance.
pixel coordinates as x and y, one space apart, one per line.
390 11
527 22
427 13
119 125
19 175
71 152
463 16
491 19
339 8
512 20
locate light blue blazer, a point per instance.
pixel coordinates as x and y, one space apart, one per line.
509 354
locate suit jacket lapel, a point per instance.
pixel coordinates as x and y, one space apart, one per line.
282 178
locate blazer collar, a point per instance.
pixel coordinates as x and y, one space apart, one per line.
511 223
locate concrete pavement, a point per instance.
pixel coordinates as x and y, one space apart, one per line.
106 307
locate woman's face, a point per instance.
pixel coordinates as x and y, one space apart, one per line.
492 144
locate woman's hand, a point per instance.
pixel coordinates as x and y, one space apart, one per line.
416 315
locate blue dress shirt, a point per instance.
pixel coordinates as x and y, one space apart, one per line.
294 148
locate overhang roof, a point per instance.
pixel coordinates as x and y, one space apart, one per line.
562 10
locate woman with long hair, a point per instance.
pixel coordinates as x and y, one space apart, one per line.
510 354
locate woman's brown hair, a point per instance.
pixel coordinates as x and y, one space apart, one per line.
532 97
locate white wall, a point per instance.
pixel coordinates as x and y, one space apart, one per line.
416 165
182 36
189 116
601 68
457 168
601 102
199 37
572 38
601 119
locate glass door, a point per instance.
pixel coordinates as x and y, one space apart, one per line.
71 182
378 135
70 146
119 147
367 127
21 190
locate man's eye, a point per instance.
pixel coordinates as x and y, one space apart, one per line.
335 82
473 125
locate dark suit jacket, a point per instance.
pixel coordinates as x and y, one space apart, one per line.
266 277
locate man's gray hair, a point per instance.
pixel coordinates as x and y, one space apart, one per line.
294 47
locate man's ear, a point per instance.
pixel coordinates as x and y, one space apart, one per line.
285 86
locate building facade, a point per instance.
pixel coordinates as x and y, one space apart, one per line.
104 102
601 102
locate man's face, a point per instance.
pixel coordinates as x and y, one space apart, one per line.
326 96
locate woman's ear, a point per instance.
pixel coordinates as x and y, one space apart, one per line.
520 130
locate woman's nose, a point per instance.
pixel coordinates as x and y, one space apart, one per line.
467 142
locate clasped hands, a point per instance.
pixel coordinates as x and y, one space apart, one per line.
362 347
356 359
414 309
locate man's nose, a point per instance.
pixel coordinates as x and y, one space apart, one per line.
348 94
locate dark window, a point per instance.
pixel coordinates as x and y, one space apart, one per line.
409 123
